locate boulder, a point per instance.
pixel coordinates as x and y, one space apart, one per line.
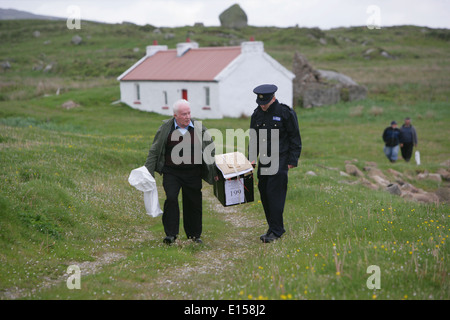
395 173
70 105
368 184
5 65
422 197
76 40
314 88
336 76
317 95
409 188
351 169
430 176
233 17
394 189
381 181
435 177
446 163
443 194
372 171
445 174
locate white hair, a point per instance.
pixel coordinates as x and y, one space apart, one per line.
179 103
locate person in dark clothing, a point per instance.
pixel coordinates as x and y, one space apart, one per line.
408 139
278 144
391 137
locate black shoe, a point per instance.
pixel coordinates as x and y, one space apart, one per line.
197 240
169 239
264 235
271 237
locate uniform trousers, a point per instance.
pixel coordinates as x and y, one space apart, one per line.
273 189
191 185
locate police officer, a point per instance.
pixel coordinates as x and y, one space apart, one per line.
278 144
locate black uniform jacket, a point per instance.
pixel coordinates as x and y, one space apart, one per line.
278 117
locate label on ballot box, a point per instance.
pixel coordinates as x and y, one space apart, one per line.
235 184
234 192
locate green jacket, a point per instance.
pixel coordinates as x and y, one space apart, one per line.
156 155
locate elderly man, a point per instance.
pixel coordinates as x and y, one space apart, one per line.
177 152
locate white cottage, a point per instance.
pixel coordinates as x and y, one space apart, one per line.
217 81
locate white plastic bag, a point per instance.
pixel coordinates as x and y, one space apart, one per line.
142 180
417 157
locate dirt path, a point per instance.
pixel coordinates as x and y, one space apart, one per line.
209 263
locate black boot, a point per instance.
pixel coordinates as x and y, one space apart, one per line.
271 237
169 239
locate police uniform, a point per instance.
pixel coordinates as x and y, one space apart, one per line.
282 131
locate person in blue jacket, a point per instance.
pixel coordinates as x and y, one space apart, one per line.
391 137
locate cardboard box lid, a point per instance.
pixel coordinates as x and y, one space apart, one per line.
233 164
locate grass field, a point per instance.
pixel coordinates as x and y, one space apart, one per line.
65 199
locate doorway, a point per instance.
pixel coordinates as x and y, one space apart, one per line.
184 94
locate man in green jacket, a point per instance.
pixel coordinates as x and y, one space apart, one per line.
183 152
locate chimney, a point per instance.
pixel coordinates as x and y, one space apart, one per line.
183 47
151 50
252 47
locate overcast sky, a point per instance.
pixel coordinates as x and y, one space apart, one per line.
324 14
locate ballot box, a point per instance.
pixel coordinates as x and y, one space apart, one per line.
235 183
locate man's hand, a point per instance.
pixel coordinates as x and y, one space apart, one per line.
290 166
216 178
253 164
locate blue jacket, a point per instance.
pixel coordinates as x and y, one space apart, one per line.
391 137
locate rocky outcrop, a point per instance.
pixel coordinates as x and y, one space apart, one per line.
314 88
396 183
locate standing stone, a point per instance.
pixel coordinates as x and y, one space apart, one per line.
233 17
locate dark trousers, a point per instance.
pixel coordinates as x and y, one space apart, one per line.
273 189
407 150
192 204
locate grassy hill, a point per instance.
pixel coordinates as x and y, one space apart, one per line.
65 199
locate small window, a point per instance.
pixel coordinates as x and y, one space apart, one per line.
138 92
207 96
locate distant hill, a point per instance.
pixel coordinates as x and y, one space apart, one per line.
12 14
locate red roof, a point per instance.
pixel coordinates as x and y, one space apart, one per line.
202 64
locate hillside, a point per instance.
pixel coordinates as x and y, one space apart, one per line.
416 56
13 14
65 199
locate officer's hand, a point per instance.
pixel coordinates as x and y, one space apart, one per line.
290 166
216 178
